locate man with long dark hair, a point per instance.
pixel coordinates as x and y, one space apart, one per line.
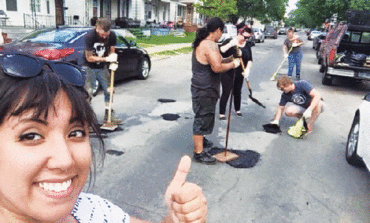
207 66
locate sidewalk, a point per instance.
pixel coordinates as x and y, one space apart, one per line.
160 48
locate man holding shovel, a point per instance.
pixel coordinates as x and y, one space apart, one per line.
100 50
207 64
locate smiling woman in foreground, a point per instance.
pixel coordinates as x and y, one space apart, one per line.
45 151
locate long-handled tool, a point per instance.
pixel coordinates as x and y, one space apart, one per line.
225 155
109 125
249 88
274 74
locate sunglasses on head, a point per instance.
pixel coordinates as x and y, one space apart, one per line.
25 66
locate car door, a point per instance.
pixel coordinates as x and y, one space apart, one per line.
128 58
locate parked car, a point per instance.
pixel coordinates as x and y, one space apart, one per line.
230 31
313 34
282 31
124 22
317 41
68 44
271 32
259 35
346 51
358 142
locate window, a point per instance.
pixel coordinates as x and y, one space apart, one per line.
35 6
48 6
355 37
365 37
11 5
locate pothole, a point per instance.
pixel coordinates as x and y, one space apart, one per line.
164 100
114 152
170 117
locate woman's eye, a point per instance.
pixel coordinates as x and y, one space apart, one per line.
78 133
30 137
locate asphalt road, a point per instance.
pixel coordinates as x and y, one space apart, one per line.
305 180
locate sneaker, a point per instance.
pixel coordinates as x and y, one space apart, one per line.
238 113
204 158
207 143
222 117
298 77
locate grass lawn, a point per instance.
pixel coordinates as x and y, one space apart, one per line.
173 52
162 40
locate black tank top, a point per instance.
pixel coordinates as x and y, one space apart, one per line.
205 82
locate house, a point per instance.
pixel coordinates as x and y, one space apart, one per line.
49 13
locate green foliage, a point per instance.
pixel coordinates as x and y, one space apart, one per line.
216 8
263 10
313 13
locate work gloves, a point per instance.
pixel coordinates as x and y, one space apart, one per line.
227 46
236 62
113 66
246 73
111 58
275 122
307 114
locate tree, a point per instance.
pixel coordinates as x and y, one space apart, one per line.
263 10
216 8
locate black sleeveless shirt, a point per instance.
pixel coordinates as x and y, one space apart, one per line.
205 82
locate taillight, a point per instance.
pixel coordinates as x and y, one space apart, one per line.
332 55
54 54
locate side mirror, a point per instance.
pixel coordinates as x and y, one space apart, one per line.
132 43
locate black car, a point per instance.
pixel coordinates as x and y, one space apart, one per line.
68 44
271 33
124 22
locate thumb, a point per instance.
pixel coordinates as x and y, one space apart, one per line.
182 171
179 178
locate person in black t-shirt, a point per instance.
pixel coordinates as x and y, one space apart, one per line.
100 49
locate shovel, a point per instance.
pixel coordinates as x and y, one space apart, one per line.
250 89
274 75
109 125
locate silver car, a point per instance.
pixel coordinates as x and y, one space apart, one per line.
259 35
358 143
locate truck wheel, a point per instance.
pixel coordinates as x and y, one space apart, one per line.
327 79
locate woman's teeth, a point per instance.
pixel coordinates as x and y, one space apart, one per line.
56 187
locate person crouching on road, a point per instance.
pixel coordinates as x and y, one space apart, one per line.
228 81
298 99
207 66
100 50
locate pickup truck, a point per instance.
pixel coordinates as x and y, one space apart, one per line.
343 45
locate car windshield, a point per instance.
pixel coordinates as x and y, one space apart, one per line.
54 36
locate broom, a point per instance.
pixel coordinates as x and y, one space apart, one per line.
274 74
109 125
250 89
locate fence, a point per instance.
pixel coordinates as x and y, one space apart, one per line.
47 21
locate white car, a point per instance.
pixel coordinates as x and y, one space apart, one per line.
230 31
259 35
313 34
358 143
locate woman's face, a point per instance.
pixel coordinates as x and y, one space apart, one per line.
44 164
243 37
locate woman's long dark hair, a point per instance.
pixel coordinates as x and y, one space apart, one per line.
212 25
37 94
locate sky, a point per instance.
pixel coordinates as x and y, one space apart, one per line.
291 6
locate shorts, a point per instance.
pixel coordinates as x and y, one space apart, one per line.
205 110
301 109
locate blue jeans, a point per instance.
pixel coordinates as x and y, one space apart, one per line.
102 75
295 59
